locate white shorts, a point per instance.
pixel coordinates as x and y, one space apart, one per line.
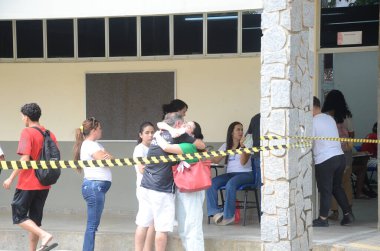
156 208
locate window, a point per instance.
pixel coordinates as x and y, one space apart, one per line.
6 39
360 24
251 32
91 37
155 35
82 38
122 101
122 37
188 34
29 38
60 38
222 33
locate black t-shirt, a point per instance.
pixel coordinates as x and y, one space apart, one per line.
254 129
159 177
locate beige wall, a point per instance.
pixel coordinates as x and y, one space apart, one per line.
218 91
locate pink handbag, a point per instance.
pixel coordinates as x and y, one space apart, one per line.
193 177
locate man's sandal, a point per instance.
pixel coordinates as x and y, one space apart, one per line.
47 247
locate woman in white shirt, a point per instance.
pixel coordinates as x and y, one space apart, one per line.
335 105
239 172
97 180
141 150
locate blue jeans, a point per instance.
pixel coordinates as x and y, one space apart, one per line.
232 181
94 193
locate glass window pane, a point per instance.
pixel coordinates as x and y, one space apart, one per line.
91 37
29 39
155 35
6 40
251 34
335 22
60 38
188 34
222 33
122 37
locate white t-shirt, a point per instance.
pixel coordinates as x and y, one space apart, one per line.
88 148
233 165
140 151
1 151
324 126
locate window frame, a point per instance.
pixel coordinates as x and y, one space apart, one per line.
138 57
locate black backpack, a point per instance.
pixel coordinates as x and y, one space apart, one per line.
49 151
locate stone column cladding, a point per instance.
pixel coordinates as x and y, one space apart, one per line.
287 64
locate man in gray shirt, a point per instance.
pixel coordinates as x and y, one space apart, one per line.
157 190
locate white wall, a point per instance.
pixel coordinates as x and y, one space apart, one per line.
218 91
32 9
356 75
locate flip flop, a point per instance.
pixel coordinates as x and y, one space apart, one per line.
48 247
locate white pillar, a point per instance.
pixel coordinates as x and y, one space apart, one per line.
286 104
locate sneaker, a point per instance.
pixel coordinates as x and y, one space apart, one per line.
348 219
226 222
218 218
334 216
320 222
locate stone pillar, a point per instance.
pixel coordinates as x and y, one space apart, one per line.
286 105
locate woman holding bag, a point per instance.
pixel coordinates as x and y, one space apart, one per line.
189 205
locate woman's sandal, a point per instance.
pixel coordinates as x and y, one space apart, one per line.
47 247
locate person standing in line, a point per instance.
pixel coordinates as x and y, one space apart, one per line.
239 172
97 180
336 106
141 150
30 196
329 167
157 189
189 205
176 105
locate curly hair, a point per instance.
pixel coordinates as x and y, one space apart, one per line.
32 111
336 103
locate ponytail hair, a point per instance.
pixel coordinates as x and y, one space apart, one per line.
174 106
142 127
82 133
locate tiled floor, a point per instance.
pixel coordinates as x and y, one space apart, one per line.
363 235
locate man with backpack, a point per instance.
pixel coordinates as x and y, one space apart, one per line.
30 195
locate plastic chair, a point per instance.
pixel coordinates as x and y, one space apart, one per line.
246 204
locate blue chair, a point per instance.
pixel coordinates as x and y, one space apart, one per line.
245 203
255 186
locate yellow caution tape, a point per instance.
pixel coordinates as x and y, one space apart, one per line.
13 164
275 137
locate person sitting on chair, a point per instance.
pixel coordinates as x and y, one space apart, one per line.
239 172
